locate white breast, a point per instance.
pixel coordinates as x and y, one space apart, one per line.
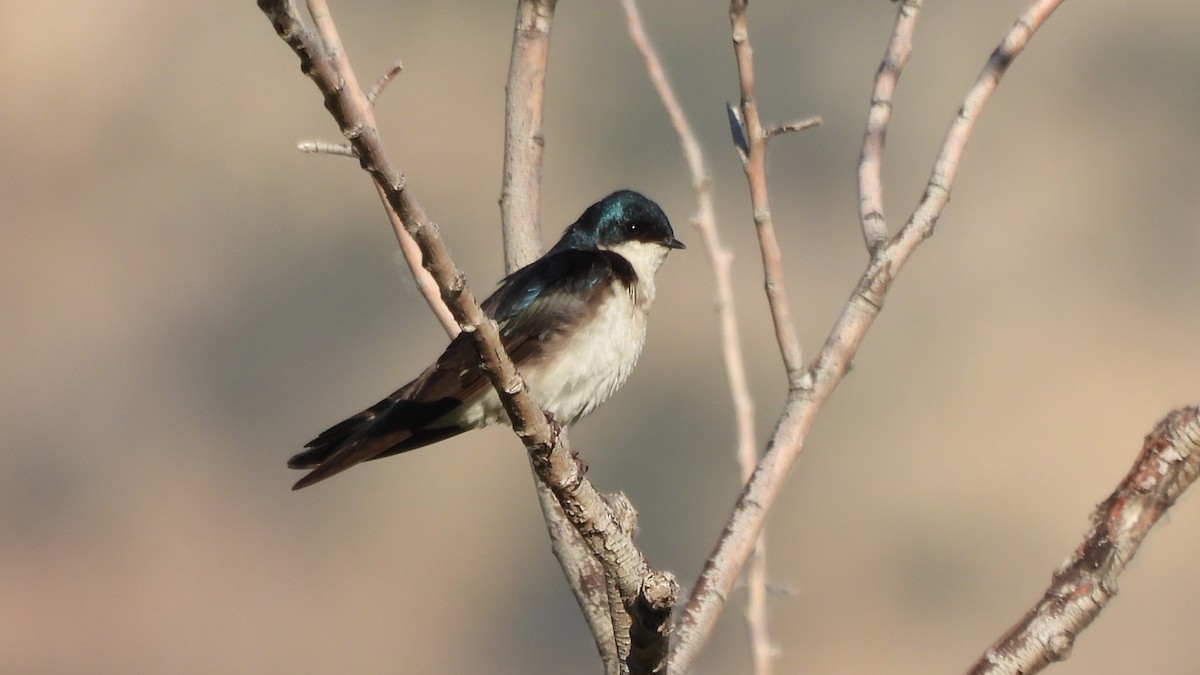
591 366
597 363
594 364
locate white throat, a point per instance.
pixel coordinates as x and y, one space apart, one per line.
646 258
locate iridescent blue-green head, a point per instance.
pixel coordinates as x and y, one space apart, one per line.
622 218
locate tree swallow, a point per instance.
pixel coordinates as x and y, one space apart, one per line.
573 321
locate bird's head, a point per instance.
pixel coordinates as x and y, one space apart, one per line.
622 221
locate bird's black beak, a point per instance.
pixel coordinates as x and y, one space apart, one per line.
673 243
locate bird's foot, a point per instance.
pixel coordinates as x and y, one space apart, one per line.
580 465
555 427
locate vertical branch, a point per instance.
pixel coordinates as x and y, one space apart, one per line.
755 165
524 103
870 166
720 260
705 221
585 577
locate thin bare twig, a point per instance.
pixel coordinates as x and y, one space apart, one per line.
833 361
424 281
945 168
755 165
791 127
383 81
870 165
1168 464
705 221
326 148
720 260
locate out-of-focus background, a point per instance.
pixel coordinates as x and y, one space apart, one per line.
188 300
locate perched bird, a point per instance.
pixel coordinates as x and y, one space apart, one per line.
573 321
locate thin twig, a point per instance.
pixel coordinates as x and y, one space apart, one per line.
755 165
797 125
945 168
326 148
833 361
753 150
1168 464
425 283
383 81
870 165
720 260
719 257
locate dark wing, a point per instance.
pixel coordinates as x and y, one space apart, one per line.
393 425
542 302
533 306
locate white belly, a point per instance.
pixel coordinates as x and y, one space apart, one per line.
585 371
592 365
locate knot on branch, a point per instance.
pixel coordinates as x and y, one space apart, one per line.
623 512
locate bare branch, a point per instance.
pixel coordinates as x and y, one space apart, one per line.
720 260
384 81
523 140
870 166
585 577
937 192
554 464
321 61
621 620
425 284
833 361
790 127
520 218
1081 588
651 632
326 148
756 175
705 221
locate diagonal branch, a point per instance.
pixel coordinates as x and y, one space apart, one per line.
425 283
833 361
945 168
554 464
347 105
1169 463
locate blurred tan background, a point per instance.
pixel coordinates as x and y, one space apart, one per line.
187 300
